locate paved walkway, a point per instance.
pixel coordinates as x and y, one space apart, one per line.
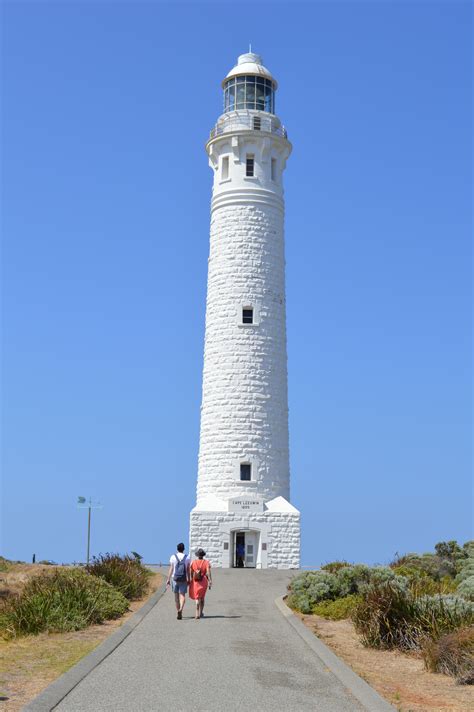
243 656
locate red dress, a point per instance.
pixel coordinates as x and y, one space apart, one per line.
197 589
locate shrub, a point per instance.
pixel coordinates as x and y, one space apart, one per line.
383 617
468 548
440 614
313 587
351 578
337 610
428 564
62 600
125 573
466 588
421 583
466 570
333 567
448 550
310 587
300 602
452 654
5 564
390 615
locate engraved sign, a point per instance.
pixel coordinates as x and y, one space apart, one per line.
245 504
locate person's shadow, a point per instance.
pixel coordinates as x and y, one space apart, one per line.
206 616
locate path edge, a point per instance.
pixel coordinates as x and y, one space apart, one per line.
57 690
361 690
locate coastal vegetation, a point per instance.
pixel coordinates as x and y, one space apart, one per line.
418 603
65 599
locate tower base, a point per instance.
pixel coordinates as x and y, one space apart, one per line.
267 536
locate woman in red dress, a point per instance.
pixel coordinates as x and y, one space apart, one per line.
201 580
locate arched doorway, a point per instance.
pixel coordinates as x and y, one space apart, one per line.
245 548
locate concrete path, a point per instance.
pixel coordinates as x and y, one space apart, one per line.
243 656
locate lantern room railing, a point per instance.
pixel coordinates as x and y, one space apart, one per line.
248 122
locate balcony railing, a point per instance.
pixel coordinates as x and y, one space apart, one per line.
248 122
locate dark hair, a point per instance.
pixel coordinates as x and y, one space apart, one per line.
180 548
200 553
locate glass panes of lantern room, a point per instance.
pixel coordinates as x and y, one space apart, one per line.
249 93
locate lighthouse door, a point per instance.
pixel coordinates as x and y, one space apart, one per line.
250 550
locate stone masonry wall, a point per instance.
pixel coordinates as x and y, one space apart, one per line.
245 406
282 535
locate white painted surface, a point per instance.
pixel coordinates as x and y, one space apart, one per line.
251 64
244 413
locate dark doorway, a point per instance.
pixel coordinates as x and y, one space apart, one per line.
240 550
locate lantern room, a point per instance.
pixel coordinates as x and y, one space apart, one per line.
249 85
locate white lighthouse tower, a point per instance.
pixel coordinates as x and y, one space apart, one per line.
243 516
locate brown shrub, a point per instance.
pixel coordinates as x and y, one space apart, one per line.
452 654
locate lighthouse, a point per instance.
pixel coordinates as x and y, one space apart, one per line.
243 516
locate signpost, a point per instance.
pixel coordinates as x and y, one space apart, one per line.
82 504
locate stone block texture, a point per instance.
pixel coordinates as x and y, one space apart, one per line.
281 534
244 412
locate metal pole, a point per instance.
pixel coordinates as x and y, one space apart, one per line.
88 533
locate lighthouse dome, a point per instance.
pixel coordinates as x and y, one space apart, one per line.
251 64
249 85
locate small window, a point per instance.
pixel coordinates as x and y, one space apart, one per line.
225 168
274 168
257 123
247 315
245 471
249 168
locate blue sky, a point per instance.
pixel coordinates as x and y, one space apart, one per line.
106 190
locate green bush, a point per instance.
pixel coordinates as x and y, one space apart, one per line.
63 600
390 615
337 610
452 654
466 588
125 573
466 569
312 587
299 602
425 564
422 583
333 567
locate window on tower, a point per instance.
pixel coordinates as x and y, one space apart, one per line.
274 168
247 315
225 168
257 123
249 167
245 471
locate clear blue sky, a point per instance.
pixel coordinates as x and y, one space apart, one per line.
106 190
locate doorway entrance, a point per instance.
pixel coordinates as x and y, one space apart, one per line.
245 549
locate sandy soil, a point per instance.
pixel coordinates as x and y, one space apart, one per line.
31 663
399 677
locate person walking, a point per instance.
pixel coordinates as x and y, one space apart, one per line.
179 577
201 580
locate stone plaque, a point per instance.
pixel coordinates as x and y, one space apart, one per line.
245 504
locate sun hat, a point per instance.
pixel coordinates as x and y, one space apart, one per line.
200 552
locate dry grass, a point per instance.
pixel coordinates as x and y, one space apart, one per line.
31 663
15 576
399 677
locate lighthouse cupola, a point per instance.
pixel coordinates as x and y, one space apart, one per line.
249 85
